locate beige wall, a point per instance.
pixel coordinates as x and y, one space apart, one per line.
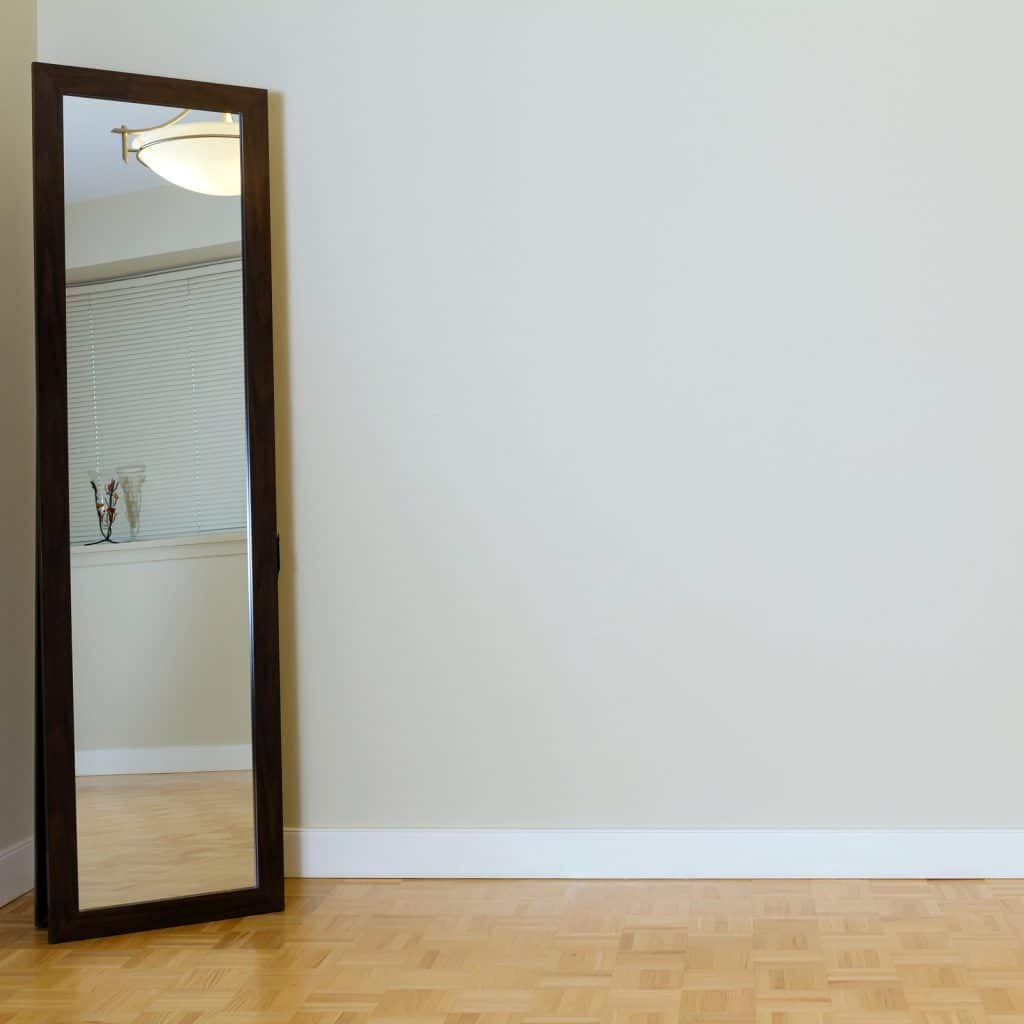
149 223
160 636
17 426
649 412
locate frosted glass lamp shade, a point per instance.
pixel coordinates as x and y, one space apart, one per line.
201 156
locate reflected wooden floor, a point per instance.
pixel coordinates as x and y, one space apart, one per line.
146 837
544 952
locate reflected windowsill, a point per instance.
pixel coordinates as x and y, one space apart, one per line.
161 549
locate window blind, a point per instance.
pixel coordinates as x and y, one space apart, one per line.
156 378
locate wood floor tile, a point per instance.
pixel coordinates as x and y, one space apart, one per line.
843 951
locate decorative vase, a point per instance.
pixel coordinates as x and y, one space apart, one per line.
131 479
105 493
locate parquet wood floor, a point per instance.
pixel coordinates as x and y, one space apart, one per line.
549 952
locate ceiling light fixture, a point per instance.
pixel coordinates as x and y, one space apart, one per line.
201 156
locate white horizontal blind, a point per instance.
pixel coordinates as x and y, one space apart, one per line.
156 377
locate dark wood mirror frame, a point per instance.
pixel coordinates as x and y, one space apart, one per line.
57 902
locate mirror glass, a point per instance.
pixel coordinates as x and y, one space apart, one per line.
158 502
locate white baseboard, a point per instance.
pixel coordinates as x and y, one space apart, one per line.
626 853
155 760
623 853
17 870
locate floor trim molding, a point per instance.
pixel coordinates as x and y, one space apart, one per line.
17 870
156 760
657 853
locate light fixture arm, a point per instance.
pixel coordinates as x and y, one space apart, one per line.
125 132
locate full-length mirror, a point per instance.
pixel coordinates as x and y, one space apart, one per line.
158 610
157 502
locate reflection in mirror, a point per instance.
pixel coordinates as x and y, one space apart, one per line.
158 506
